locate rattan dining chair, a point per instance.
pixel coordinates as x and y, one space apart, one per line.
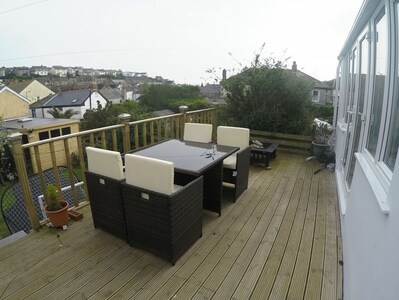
162 217
104 177
197 132
236 166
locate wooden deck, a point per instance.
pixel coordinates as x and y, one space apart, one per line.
280 240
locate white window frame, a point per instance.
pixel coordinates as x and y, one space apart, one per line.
376 163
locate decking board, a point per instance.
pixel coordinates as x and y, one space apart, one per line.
298 281
315 277
265 280
259 244
279 240
285 273
218 275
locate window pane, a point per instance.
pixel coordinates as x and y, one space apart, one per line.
66 130
349 114
391 149
381 52
364 56
43 135
338 91
55 133
348 88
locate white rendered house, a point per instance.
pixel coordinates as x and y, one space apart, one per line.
366 146
78 101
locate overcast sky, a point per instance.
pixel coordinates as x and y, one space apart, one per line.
175 39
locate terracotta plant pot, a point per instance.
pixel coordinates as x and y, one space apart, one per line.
59 218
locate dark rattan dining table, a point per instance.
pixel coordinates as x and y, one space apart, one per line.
193 159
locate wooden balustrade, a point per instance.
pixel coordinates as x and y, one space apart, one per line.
122 137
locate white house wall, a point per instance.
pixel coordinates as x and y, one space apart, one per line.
369 208
95 98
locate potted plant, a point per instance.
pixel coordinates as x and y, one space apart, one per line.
56 208
322 132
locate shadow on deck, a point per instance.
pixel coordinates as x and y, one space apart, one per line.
280 240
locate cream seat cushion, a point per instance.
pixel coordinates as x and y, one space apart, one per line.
150 173
105 162
235 137
197 132
230 162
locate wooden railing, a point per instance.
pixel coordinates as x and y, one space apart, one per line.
289 142
122 137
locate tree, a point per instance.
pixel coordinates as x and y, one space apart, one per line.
5 158
158 96
193 104
99 117
266 96
57 114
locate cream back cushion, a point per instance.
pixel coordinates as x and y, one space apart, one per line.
105 162
196 132
233 136
150 173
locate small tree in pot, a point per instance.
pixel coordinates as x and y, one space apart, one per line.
56 208
322 132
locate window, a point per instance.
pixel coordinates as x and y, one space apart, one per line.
391 149
55 133
358 113
350 101
338 91
380 38
348 81
315 97
44 135
66 130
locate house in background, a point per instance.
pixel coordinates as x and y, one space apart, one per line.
78 101
37 129
32 89
366 146
322 91
213 94
12 104
2 72
113 95
59 71
21 71
39 70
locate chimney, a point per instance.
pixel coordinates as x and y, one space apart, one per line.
294 67
224 74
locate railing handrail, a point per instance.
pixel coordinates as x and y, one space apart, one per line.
71 135
96 130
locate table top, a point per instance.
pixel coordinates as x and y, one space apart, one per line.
188 157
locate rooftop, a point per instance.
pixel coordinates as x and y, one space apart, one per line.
34 123
280 239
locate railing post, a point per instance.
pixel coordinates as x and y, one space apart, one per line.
15 141
183 110
215 122
124 119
